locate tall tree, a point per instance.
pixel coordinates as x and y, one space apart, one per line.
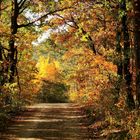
137 46
127 53
12 54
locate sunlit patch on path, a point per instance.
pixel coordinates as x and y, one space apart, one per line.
49 122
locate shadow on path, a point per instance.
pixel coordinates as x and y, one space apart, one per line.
49 122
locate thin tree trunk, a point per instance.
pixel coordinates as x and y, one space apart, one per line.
1 68
137 47
127 74
119 63
119 53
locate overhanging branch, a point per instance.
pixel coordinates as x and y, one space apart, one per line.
76 26
43 16
21 3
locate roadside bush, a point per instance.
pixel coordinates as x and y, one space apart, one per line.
3 119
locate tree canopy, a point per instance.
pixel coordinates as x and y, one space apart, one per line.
90 49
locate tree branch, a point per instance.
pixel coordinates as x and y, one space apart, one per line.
66 21
21 3
21 10
91 44
45 15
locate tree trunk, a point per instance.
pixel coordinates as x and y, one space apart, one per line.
12 48
90 41
127 52
119 53
1 68
119 63
137 47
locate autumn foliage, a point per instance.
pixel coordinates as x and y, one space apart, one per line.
86 52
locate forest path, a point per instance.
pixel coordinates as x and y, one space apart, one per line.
61 121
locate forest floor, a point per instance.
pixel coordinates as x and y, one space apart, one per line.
61 121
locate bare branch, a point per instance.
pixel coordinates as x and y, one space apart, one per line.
4 8
50 13
66 21
21 3
21 10
3 48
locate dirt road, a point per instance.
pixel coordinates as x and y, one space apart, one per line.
48 122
